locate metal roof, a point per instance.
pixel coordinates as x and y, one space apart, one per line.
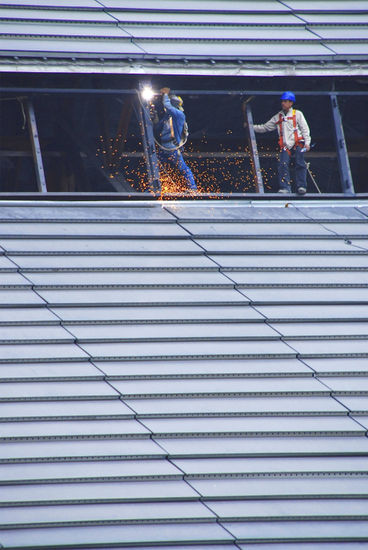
184 375
136 36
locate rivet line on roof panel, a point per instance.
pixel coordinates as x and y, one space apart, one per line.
81 458
93 479
257 475
214 376
259 434
272 414
84 437
190 395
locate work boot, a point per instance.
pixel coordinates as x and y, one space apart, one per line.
283 191
301 190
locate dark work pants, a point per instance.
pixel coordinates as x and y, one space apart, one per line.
175 160
300 168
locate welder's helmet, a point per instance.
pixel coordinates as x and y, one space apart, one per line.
176 101
288 95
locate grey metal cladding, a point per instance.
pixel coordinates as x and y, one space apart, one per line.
120 512
168 331
289 261
283 486
63 410
308 530
88 212
42 13
150 398
272 245
261 228
119 491
203 30
237 6
143 297
54 4
242 406
162 427
115 534
206 349
112 261
89 229
63 429
76 450
329 312
106 279
204 368
149 314
267 446
114 470
216 386
197 467
104 245
49 371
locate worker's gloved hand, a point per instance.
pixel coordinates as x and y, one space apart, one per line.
307 147
165 90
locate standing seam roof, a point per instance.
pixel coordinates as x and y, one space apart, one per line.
183 375
191 30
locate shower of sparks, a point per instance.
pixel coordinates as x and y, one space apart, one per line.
213 174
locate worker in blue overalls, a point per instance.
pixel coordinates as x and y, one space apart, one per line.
172 131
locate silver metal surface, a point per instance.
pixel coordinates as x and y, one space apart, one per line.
144 401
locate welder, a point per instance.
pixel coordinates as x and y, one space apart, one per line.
294 140
172 131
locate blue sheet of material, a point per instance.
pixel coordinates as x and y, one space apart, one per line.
184 376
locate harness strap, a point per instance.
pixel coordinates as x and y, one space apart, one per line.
297 139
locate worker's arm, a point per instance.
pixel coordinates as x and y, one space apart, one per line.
267 127
304 129
167 104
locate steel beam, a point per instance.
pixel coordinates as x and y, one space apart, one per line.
36 148
130 91
342 152
148 141
252 142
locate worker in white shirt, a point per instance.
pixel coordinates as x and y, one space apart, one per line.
294 139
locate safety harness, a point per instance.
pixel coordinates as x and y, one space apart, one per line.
298 140
183 137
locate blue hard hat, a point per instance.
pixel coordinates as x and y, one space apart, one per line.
288 95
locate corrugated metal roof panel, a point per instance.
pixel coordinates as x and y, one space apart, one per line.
40 29
229 49
184 395
203 5
333 5
27 13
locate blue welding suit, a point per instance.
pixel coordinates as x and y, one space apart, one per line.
170 128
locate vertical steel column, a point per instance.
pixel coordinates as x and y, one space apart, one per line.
254 157
342 152
148 142
36 148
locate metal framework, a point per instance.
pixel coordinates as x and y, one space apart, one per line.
149 149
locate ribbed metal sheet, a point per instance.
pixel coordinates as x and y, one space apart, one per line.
185 376
196 30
